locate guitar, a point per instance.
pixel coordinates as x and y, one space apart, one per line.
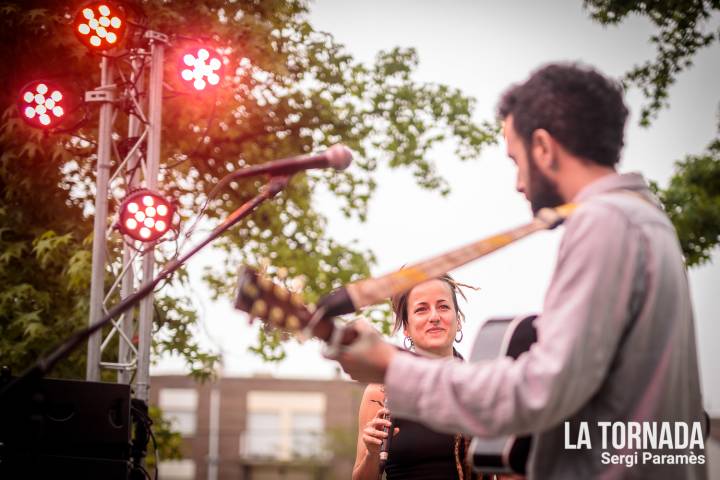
497 337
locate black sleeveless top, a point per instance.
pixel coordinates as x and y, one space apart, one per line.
419 453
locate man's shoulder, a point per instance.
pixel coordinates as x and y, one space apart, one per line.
619 208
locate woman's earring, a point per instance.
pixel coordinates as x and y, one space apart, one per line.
462 335
405 343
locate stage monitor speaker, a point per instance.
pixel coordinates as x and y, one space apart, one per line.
65 429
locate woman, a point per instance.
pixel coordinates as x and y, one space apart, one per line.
431 321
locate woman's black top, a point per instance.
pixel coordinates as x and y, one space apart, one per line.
419 453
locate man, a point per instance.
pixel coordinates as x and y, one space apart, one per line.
616 340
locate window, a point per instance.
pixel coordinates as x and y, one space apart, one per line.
284 425
179 406
307 434
176 470
264 436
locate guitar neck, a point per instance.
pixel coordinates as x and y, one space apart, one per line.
373 290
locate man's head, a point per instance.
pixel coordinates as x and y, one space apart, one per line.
562 126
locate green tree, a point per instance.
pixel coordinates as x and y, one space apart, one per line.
291 90
684 27
166 444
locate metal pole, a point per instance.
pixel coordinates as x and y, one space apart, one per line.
214 432
157 52
132 174
97 281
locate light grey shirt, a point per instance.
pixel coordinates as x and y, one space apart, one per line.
616 342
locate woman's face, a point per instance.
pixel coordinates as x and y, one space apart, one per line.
432 320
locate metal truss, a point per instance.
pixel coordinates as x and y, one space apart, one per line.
134 84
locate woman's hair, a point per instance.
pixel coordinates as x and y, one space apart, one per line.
400 302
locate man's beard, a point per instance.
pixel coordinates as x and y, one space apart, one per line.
543 191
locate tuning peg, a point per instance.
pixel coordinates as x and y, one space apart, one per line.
265 283
281 293
276 316
297 301
250 290
292 322
259 309
264 265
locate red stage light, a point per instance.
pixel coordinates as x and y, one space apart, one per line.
145 215
41 104
100 25
200 68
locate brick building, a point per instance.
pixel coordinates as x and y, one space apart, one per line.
260 427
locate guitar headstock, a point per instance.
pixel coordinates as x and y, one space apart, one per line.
274 304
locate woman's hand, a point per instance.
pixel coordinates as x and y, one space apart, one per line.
374 431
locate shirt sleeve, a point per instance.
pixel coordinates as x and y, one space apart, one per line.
585 312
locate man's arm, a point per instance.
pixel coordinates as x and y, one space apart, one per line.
585 314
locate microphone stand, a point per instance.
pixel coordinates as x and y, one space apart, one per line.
274 186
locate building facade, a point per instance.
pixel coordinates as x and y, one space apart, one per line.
260 427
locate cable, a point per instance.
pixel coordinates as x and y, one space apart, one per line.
147 424
155 450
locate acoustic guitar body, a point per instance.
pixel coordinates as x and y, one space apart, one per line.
502 337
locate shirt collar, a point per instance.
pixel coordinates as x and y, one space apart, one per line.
614 181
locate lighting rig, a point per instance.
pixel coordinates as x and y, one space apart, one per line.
131 75
132 59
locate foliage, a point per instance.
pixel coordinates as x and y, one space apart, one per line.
167 444
341 442
682 31
692 198
291 90
44 257
692 201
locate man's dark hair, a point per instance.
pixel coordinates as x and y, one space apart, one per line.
582 109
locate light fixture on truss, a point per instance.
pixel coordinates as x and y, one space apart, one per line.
42 104
200 68
100 25
145 215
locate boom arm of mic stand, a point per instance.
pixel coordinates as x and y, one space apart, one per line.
274 186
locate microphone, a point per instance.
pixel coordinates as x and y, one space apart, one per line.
385 446
337 157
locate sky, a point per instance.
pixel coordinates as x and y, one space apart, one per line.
482 48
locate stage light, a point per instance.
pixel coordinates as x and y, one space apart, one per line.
100 25
41 104
145 215
200 68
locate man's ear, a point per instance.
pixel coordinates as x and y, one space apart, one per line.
543 149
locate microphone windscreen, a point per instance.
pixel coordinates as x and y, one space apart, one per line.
339 157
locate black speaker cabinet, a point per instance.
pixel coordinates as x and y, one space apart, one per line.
65 429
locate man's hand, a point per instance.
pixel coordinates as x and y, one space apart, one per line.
368 358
